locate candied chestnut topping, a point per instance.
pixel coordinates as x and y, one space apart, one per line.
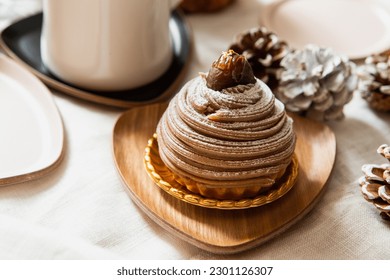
231 69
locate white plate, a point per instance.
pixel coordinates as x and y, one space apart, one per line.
31 130
356 28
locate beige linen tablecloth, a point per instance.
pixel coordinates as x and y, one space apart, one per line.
82 211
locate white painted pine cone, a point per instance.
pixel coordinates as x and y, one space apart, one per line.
316 82
375 184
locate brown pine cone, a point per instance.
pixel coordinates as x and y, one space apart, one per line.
375 185
264 51
204 6
375 81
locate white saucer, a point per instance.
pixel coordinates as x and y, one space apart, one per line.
356 28
32 135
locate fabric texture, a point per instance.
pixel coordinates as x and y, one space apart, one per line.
81 210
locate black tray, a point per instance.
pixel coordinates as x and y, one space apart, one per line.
21 41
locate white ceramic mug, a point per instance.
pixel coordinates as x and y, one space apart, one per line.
107 45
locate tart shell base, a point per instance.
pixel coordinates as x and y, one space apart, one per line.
171 184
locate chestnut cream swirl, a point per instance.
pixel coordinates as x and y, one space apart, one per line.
239 136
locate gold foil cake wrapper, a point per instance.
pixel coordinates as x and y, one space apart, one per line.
189 191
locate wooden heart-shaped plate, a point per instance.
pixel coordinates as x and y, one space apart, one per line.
215 230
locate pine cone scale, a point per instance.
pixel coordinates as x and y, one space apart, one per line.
375 186
370 191
382 206
384 193
374 172
385 89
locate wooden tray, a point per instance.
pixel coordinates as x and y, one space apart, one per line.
215 230
21 41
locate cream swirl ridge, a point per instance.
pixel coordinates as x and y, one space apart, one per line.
239 136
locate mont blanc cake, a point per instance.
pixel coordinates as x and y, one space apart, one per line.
224 135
